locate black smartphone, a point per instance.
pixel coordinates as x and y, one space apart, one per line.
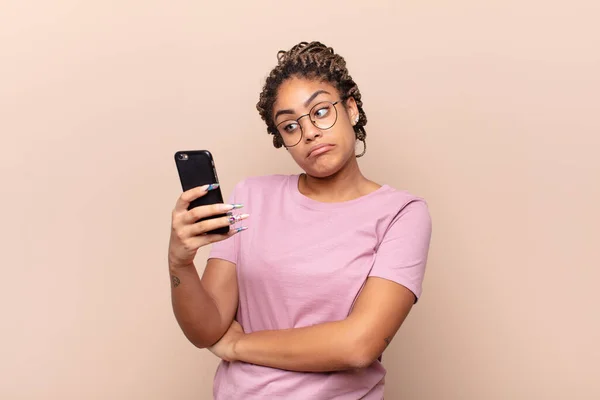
197 168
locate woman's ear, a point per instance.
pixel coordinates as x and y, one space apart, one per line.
352 110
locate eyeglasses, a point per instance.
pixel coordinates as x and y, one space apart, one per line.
322 115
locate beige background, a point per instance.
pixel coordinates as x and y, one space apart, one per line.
490 110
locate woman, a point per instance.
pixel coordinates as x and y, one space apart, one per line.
302 304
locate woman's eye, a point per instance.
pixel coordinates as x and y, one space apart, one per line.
290 128
322 112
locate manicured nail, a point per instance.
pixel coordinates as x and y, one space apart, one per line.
229 207
243 228
237 218
212 186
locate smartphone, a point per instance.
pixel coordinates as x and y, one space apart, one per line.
197 168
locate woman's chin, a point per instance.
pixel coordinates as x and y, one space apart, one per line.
322 171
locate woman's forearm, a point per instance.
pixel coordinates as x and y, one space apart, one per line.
195 310
326 347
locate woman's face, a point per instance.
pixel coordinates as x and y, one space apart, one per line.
320 152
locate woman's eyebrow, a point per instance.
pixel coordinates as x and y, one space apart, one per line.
306 103
315 94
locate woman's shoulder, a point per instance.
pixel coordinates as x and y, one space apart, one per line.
397 201
390 193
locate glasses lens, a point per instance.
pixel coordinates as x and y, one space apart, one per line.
290 132
323 115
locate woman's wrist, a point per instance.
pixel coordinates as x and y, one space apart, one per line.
234 356
178 266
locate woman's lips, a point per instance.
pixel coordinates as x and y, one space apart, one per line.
319 149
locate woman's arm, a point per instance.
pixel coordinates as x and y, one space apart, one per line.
355 342
383 304
204 308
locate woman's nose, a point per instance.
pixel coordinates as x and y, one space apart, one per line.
310 131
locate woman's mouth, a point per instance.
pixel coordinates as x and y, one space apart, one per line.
319 149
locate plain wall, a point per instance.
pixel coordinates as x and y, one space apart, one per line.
490 110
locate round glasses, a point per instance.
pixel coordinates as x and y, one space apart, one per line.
322 115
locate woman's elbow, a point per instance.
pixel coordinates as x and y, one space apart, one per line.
361 354
362 361
203 339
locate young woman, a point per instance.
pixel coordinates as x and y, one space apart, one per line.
302 304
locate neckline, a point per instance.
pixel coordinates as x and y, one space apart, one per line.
319 205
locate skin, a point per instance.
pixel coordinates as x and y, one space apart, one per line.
205 307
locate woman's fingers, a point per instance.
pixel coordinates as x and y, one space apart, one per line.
210 210
212 238
193 243
190 195
208 225
189 228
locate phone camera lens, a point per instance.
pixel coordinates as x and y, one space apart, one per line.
183 156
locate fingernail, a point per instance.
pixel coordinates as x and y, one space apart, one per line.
237 218
243 228
229 207
212 186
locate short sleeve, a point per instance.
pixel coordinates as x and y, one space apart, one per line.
402 255
226 249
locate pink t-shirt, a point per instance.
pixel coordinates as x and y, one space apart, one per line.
304 262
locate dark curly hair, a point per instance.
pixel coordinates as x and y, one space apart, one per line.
311 60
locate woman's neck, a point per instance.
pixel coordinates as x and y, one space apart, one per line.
347 184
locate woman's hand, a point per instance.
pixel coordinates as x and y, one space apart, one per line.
225 347
188 235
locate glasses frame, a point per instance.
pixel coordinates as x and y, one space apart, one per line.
297 120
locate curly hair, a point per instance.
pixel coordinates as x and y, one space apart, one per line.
311 60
